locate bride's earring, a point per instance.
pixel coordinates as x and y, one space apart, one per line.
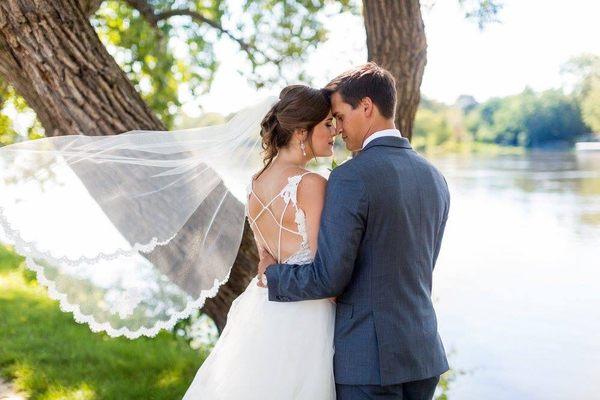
303 148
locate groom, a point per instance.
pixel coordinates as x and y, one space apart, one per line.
380 235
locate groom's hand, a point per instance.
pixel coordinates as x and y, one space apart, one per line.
266 259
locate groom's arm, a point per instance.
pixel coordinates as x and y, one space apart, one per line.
343 223
442 228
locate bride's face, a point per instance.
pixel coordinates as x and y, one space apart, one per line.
323 137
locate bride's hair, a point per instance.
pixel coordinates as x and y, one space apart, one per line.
299 107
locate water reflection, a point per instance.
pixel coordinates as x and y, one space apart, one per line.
517 283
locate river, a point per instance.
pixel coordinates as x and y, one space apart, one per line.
517 283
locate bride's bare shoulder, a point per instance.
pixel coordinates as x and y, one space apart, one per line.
311 188
312 179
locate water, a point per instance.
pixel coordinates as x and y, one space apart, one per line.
517 284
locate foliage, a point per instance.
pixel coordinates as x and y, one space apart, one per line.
438 124
529 119
484 12
590 107
10 99
334 164
165 53
585 69
431 128
165 46
443 386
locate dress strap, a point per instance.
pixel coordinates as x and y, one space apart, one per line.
289 193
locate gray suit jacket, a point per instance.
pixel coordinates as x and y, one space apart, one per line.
381 229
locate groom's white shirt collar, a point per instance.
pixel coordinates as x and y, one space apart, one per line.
378 134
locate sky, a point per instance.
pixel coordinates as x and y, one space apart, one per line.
527 48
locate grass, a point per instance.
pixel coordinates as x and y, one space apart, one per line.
49 356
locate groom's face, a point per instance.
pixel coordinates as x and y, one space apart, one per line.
350 123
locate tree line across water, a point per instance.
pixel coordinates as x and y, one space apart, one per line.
554 118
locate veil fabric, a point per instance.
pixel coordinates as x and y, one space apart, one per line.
131 232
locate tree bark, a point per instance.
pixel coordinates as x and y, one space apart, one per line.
51 55
396 41
89 7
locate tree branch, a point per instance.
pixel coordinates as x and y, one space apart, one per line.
145 9
89 6
150 15
484 12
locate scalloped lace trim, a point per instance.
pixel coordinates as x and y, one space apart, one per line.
301 223
302 256
30 252
290 193
95 326
27 247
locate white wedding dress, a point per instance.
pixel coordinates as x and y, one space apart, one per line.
272 350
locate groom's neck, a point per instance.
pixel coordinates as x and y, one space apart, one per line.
380 126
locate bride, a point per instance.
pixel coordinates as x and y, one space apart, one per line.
117 253
271 350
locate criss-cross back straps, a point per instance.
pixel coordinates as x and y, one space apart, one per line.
289 189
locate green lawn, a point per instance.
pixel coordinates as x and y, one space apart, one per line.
50 356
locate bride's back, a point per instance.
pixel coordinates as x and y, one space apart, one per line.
281 223
276 218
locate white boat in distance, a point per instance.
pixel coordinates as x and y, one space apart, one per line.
587 146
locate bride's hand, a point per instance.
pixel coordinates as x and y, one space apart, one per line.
260 282
266 259
332 299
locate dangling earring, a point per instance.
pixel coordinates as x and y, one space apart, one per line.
303 149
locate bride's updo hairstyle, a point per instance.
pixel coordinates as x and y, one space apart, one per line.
299 107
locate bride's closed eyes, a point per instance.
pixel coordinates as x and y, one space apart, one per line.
323 137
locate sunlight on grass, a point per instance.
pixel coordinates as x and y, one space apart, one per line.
49 356
83 392
169 378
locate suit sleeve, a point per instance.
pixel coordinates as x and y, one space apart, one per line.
442 228
343 223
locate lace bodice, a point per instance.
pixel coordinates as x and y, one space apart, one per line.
289 196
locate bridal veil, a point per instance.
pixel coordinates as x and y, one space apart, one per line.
131 232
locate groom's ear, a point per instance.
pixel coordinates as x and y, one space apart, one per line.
367 106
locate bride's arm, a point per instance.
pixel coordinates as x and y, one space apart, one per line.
311 199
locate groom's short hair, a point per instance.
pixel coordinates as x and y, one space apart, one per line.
368 80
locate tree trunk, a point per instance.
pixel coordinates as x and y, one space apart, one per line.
51 55
89 7
396 41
